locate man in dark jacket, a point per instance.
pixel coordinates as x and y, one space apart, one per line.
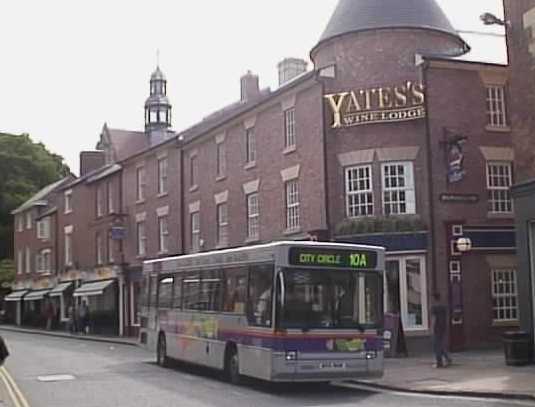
3 351
439 320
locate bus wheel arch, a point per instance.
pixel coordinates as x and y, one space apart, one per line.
232 363
161 351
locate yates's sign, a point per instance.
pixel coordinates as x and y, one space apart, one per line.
377 105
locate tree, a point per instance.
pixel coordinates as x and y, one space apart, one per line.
7 275
25 168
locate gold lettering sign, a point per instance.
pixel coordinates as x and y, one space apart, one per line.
377 105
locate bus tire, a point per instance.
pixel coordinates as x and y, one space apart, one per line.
232 365
161 352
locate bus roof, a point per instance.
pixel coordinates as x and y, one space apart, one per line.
263 252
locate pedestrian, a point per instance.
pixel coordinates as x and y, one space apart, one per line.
439 322
84 317
4 353
49 312
71 319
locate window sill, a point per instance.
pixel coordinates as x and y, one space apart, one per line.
496 129
498 324
220 178
509 215
140 201
193 188
289 150
294 231
252 240
221 246
250 165
67 212
163 253
141 256
416 332
162 194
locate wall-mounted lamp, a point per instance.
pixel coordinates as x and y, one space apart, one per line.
491 19
464 244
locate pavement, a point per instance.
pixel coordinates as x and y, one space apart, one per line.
480 373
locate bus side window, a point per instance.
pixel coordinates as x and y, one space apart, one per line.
191 294
165 292
153 290
211 291
260 295
177 296
235 292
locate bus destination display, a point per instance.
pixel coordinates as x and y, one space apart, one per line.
361 259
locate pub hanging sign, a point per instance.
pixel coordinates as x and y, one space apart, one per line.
377 105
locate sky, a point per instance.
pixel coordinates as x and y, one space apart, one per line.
67 67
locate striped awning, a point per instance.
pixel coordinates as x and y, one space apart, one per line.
93 288
58 290
15 295
36 295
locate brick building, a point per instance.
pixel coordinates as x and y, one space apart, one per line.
395 138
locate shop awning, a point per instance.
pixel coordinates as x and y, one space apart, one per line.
36 295
58 290
15 295
93 288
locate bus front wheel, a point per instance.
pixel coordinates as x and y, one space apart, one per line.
232 366
161 352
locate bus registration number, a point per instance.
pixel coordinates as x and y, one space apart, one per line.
332 365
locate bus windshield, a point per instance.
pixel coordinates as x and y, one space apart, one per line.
328 299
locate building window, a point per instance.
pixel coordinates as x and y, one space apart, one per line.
100 249
43 261
292 205
68 201
140 183
43 228
221 159
496 106
109 190
195 232
163 233
289 128
162 176
68 248
193 171
398 189
250 145
222 224
504 295
111 247
499 180
28 259
100 201
405 288
359 192
20 262
28 220
141 239
253 231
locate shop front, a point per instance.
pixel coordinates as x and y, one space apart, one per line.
37 309
14 305
101 298
61 298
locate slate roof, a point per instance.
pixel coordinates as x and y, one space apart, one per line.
361 15
39 199
127 143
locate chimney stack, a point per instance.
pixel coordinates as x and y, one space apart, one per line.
290 68
90 161
250 89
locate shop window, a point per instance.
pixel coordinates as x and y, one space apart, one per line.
359 191
398 189
405 287
499 181
504 295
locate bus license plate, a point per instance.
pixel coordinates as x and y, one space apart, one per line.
333 365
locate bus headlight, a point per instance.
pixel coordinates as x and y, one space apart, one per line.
291 355
371 355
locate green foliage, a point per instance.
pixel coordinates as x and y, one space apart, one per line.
380 224
25 168
7 274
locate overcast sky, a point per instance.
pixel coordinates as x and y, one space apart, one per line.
69 66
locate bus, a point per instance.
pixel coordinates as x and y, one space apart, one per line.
284 311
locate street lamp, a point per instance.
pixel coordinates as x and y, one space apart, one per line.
491 19
464 244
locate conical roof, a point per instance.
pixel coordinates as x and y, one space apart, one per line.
362 15
157 75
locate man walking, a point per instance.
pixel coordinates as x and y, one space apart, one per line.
439 321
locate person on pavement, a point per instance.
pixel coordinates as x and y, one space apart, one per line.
439 322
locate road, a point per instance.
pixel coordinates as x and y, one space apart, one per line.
95 374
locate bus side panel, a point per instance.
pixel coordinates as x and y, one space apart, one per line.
255 362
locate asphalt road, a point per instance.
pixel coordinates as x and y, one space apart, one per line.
94 374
